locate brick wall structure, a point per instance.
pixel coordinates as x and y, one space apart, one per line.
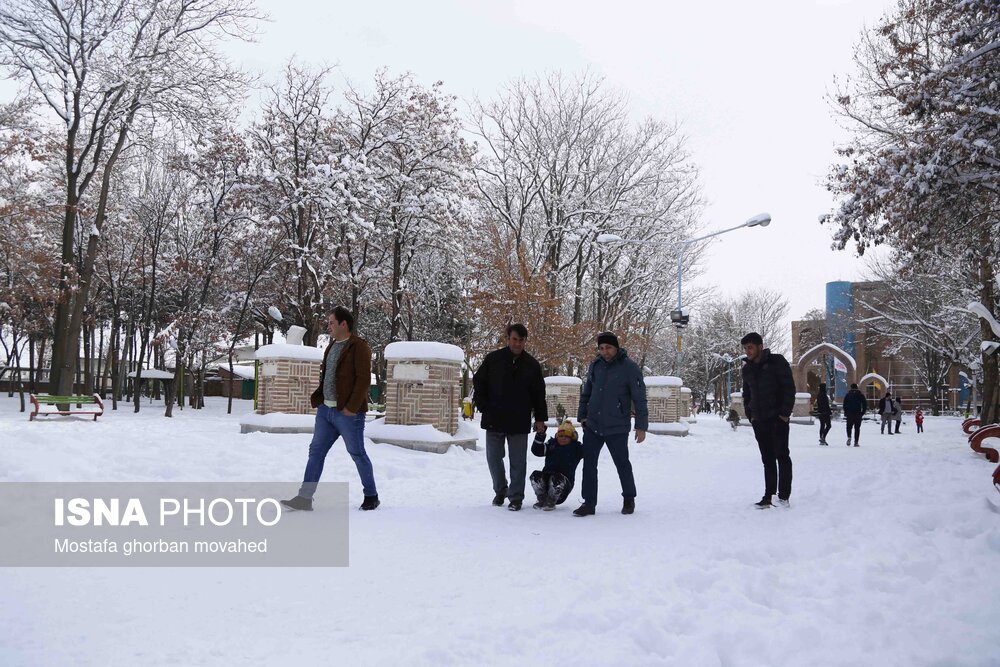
565 391
424 388
736 403
685 401
663 398
286 376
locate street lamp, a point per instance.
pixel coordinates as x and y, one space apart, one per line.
729 367
679 317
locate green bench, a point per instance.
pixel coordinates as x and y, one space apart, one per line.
79 401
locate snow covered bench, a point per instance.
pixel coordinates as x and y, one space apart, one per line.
79 401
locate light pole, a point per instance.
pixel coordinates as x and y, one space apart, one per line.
729 367
679 317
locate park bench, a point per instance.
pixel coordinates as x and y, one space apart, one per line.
79 401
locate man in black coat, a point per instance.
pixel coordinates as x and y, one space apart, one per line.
769 396
508 386
855 407
824 412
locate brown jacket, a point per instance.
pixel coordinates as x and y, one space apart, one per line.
354 376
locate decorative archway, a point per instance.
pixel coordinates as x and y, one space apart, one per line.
799 372
872 377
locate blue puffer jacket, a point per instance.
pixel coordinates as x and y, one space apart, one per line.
610 392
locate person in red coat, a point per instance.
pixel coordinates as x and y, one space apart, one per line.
919 419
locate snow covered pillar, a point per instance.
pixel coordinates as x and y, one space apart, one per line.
287 375
664 398
688 413
423 385
562 397
736 403
800 412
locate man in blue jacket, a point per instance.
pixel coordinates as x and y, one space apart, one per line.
769 396
612 389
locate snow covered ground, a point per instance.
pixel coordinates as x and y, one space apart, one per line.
890 555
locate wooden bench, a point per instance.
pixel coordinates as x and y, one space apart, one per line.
79 401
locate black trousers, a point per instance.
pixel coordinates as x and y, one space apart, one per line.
551 486
853 422
772 440
824 426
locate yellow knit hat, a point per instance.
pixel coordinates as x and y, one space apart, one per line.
566 428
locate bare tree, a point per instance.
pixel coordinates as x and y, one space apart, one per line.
100 65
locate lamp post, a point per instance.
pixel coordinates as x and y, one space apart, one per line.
729 368
679 317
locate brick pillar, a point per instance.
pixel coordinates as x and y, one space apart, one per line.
287 375
736 403
663 397
423 385
562 390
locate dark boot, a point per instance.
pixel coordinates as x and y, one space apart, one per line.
628 506
584 510
514 506
299 503
370 503
764 503
499 498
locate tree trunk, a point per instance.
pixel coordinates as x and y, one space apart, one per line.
991 377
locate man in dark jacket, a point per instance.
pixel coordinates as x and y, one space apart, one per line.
508 386
769 396
824 412
612 389
855 407
341 401
887 410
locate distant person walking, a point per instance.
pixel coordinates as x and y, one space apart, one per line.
507 387
341 401
825 413
887 410
918 418
613 388
855 407
897 413
769 396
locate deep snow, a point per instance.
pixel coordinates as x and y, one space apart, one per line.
888 556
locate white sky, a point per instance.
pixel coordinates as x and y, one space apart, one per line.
746 80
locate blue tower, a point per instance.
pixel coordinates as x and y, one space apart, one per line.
839 318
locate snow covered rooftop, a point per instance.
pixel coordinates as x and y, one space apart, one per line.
245 372
424 350
153 374
663 381
563 379
286 351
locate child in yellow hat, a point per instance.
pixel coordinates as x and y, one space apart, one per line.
563 453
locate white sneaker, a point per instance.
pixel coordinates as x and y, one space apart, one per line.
783 503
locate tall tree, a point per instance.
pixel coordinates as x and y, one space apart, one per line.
100 65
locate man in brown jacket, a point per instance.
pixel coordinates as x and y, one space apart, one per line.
340 401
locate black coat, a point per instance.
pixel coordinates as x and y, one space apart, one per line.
823 405
768 387
508 389
855 403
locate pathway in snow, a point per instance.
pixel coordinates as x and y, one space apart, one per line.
888 556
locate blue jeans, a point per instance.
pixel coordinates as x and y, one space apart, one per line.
618 446
330 425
